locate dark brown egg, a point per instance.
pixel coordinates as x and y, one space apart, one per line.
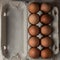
45 7
33 7
46 42
46 30
34 42
34 53
34 18
46 53
46 19
33 30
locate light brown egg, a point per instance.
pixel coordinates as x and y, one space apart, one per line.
33 7
46 30
34 53
34 18
46 19
46 53
33 30
46 42
45 7
34 42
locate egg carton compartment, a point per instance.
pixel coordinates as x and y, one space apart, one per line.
54 35
16 31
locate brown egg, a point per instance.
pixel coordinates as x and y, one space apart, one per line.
34 18
33 7
46 42
45 7
46 30
34 42
33 30
46 19
46 53
34 53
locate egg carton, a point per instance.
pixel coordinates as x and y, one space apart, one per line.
14 31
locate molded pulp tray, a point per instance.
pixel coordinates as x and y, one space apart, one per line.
14 41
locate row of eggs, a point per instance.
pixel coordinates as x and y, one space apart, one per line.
34 30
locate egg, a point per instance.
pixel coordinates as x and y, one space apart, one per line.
46 53
34 42
34 53
46 42
45 7
33 30
46 19
46 30
33 7
34 19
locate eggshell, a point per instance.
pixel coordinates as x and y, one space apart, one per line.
33 7
46 53
46 42
33 30
45 7
46 19
46 30
34 42
34 19
34 53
